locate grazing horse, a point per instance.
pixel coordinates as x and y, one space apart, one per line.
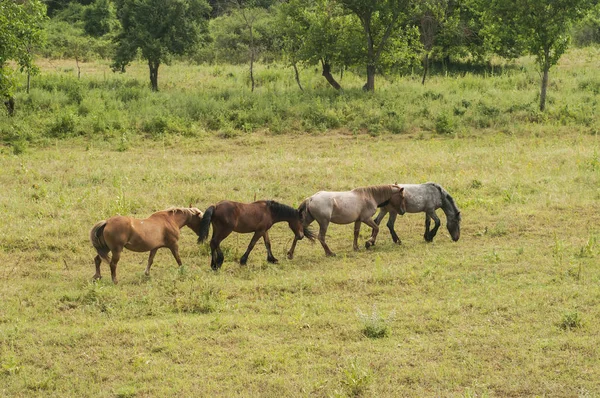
258 217
356 206
425 198
161 229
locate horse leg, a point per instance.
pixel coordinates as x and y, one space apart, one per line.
97 262
356 233
270 257
372 224
175 251
150 261
322 231
433 232
390 225
290 254
217 257
253 241
307 221
116 256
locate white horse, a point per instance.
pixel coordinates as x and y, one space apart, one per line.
425 198
356 206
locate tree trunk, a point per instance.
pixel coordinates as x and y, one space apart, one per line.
78 68
252 70
329 77
297 75
10 106
425 67
28 80
153 65
546 68
370 85
252 57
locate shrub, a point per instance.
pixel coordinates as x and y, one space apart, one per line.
444 124
375 325
63 126
570 320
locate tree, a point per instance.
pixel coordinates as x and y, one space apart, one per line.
159 29
99 18
20 31
242 34
379 19
320 32
542 26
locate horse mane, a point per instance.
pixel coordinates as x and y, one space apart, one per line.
374 190
192 211
447 200
279 210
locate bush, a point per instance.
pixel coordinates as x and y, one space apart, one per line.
375 325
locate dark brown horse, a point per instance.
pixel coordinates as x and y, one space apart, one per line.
161 229
258 217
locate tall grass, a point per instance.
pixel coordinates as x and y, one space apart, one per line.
196 100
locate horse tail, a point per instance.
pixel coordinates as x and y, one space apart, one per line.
98 241
447 200
302 209
205 224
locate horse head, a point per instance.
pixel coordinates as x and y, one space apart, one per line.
195 219
397 200
453 225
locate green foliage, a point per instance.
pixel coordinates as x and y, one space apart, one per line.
100 18
158 29
231 41
586 32
20 33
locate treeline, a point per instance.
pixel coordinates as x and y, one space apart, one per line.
373 36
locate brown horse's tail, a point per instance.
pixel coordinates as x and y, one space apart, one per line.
205 224
98 241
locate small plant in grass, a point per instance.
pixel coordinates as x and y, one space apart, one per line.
375 325
588 250
570 321
356 380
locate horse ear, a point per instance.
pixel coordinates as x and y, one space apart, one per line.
401 189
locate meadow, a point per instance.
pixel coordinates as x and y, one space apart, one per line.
511 309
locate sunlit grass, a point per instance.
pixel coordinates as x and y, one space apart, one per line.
511 309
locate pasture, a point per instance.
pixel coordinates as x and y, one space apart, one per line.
511 309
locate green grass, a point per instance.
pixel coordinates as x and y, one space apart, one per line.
509 310
195 101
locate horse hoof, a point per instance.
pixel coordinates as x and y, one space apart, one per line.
330 254
368 244
97 277
243 262
273 260
290 256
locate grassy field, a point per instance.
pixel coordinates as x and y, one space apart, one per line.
511 309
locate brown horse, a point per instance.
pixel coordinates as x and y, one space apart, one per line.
258 217
161 229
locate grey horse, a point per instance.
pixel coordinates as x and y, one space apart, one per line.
425 198
356 206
